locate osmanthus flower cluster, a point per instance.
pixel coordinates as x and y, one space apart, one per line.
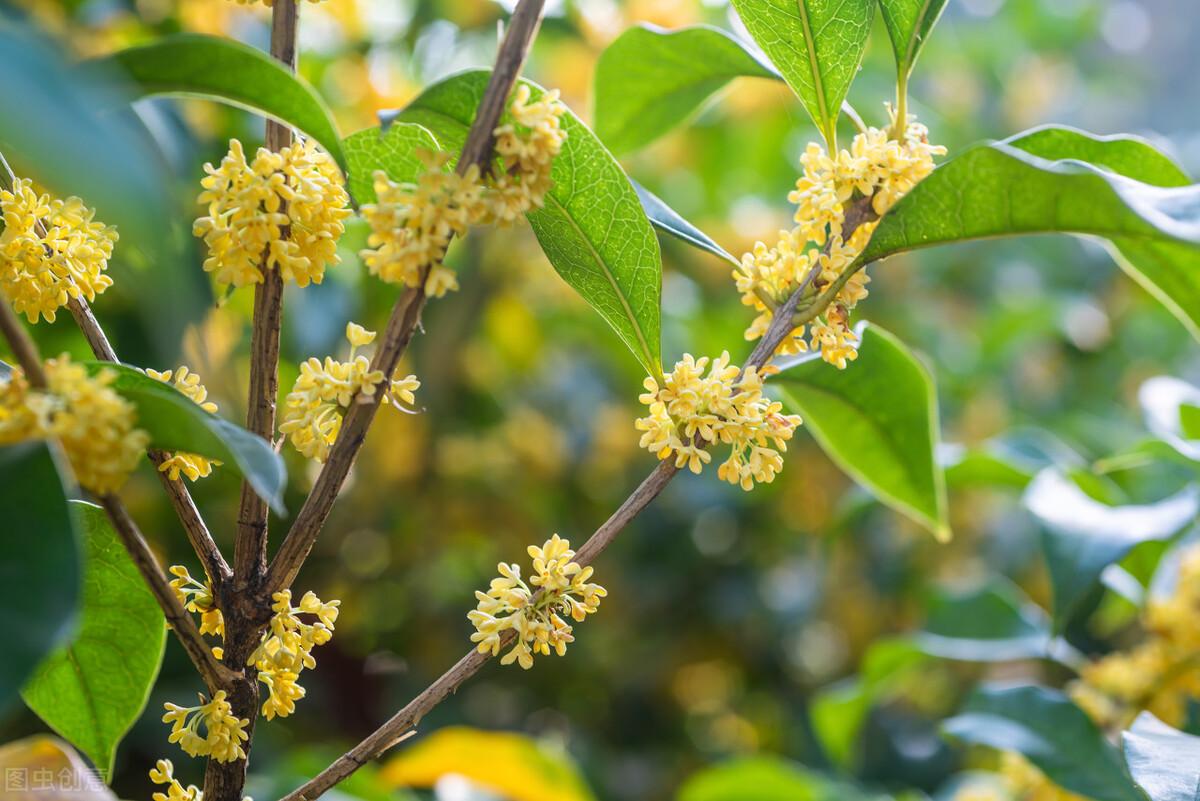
535 610
314 409
197 597
51 250
96 426
877 167
690 412
412 223
209 729
287 205
192 465
163 773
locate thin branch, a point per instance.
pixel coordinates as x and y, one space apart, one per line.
406 314
22 345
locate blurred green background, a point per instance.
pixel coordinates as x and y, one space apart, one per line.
726 610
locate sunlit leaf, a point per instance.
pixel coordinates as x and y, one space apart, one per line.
764 778
393 150
1166 402
650 79
817 45
878 420
39 562
909 23
93 689
1165 762
666 219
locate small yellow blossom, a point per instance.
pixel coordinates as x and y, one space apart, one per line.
192 465
223 732
198 597
527 145
691 412
164 773
286 648
558 586
314 409
51 250
95 424
287 206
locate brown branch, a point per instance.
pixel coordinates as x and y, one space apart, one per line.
22 345
406 314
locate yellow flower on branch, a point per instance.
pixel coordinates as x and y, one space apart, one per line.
558 586
198 597
527 144
164 773
286 648
223 732
192 465
51 250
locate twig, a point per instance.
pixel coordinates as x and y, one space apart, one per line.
406 314
22 345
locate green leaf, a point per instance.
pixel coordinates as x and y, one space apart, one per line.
1081 536
993 622
592 229
175 423
650 79
194 65
666 219
39 562
1165 402
1165 762
1046 728
93 689
908 24
764 778
878 420
986 466
393 150
817 45
1059 180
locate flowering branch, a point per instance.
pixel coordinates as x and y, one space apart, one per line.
406 314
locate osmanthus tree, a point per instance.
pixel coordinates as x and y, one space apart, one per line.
485 147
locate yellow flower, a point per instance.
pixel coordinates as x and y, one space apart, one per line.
287 205
50 250
558 586
198 597
164 773
192 465
223 733
286 648
527 145
314 409
283 692
691 412
412 224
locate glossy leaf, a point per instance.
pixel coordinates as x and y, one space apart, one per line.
989 623
817 45
592 229
93 689
909 23
666 219
1046 728
393 150
650 79
39 562
194 65
517 767
1165 762
878 420
175 423
1039 182
1082 536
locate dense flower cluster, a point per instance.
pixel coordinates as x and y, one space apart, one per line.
96 426
535 610
223 732
412 223
1162 673
192 465
315 407
283 208
197 597
286 648
51 250
691 412
875 167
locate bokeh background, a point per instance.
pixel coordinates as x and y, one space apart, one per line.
727 611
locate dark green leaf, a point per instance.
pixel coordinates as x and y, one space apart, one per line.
393 150
1082 536
908 24
1038 182
592 229
878 420
649 80
666 219
1165 762
817 45
968 467
93 689
175 423
39 562
194 65
990 623
1046 728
